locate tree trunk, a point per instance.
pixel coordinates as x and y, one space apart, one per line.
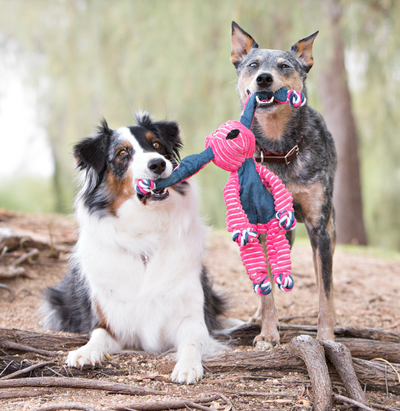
336 101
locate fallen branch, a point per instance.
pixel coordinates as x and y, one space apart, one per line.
25 348
260 394
312 353
24 393
26 370
67 407
77 383
341 399
173 405
228 401
24 257
11 272
339 355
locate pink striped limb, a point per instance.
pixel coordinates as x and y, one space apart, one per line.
278 250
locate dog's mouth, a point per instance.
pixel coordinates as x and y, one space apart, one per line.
264 104
158 195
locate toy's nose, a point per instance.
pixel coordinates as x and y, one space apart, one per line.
264 79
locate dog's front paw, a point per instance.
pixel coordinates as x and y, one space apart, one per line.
84 356
187 372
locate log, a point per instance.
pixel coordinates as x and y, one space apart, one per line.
312 353
245 334
340 357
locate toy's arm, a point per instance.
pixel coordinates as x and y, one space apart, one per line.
189 166
236 219
282 197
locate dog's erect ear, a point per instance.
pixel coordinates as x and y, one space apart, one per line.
242 42
92 151
169 130
303 49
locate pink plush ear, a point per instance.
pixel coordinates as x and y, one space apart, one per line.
303 49
242 42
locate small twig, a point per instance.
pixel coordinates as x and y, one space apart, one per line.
21 347
67 407
77 383
340 398
284 319
3 252
55 372
6 367
26 370
228 401
261 394
384 407
10 291
24 257
165 405
387 362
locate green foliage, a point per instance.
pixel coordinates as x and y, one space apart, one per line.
100 58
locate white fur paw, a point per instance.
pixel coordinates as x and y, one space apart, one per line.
187 372
84 356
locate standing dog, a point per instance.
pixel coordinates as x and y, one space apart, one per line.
137 278
296 145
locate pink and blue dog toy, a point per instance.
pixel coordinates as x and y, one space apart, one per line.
256 200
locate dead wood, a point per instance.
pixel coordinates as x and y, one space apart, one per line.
24 393
24 257
26 370
260 394
78 383
244 334
57 341
341 399
312 353
67 407
165 405
13 241
11 272
25 348
340 357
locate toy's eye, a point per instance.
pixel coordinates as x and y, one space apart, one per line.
233 134
156 145
123 153
253 65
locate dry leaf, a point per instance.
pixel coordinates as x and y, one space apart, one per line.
216 406
303 402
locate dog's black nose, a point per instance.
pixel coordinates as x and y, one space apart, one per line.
157 165
264 79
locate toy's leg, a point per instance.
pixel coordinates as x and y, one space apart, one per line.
278 250
254 261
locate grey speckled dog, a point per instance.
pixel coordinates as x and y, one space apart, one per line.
296 145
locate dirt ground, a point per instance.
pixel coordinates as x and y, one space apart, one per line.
367 293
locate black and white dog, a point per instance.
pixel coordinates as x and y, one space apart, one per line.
137 277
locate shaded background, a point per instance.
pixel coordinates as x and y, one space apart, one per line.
65 64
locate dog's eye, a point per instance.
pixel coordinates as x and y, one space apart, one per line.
253 65
123 153
156 145
285 66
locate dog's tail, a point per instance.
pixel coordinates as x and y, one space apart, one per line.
67 306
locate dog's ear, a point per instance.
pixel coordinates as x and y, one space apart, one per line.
242 42
303 50
92 151
170 131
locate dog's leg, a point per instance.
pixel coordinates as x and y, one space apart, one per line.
194 341
100 344
323 243
267 316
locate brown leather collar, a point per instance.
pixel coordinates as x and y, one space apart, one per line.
264 156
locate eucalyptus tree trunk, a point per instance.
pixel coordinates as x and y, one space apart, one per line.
338 114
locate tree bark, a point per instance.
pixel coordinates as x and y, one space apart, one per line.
338 114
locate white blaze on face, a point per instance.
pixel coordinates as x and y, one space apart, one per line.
141 158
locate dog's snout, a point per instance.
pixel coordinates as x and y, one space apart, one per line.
157 165
264 79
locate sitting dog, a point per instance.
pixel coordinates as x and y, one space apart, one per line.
295 145
137 278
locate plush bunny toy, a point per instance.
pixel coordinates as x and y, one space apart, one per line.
257 202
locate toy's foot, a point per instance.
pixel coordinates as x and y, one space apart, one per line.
263 288
285 282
